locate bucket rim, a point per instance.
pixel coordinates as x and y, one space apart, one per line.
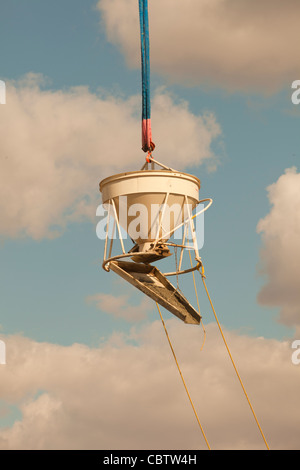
141 173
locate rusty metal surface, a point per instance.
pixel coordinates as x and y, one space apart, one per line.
149 280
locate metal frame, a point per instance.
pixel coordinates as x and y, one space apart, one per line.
182 246
189 222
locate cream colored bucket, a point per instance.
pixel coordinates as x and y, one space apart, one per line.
150 204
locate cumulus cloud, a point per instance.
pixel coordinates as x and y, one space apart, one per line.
57 145
119 307
232 44
280 255
129 396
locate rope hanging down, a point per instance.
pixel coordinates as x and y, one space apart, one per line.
183 381
147 144
230 355
231 358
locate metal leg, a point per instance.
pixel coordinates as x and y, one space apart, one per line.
161 219
119 230
193 232
107 232
181 251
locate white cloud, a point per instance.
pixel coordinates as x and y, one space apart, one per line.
280 255
131 397
120 307
57 145
231 44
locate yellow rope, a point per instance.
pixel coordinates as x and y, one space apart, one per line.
198 304
182 375
225 342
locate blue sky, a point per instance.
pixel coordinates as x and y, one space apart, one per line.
46 283
260 140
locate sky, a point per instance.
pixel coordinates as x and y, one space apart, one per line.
87 363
